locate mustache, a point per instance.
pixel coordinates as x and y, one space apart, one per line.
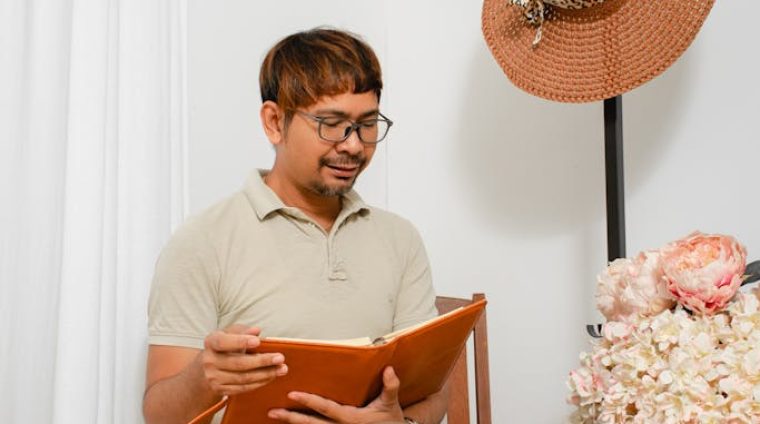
343 161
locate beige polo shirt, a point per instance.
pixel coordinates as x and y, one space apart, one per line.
252 260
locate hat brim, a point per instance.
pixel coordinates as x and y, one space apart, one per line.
594 53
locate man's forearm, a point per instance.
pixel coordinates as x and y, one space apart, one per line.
430 410
180 398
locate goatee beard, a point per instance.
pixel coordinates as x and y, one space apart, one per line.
342 160
327 191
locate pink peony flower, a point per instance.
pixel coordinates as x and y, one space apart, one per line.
704 271
630 288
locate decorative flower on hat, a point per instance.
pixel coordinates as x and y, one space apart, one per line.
681 344
535 10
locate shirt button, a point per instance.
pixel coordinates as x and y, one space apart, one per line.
337 274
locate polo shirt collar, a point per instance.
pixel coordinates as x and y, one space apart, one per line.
264 201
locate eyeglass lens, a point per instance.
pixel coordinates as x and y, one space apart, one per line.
370 131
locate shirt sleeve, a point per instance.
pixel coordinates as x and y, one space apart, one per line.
416 298
182 308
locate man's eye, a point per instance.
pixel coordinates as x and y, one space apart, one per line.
369 124
334 122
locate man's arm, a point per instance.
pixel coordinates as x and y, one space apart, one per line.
430 410
415 303
183 382
176 390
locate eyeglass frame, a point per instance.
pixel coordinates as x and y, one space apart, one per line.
354 127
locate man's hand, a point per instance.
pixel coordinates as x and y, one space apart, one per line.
384 409
182 382
228 369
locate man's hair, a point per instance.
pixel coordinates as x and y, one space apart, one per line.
305 66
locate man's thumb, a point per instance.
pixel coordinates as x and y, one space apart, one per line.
391 384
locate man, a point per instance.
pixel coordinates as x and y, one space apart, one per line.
296 253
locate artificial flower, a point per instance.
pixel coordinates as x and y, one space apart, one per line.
633 287
681 344
709 372
704 271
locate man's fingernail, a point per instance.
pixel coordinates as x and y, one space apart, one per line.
278 359
273 413
294 395
253 342
282 370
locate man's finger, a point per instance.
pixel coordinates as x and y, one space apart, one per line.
294 417
247 362
220 341
236 389
391 384
258 375
316 403
242 329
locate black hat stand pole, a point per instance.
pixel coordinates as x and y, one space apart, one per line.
613 169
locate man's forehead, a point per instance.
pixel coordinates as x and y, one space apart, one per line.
347 104
346 113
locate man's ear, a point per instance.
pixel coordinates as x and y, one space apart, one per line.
273 121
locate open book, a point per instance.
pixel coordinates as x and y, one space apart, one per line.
350 371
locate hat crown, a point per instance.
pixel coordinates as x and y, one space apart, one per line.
581 51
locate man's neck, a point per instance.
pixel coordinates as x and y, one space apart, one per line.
322 209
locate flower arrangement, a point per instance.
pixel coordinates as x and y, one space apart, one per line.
681 343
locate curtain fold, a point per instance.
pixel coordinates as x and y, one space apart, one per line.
92 181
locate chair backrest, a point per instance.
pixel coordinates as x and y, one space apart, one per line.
459 401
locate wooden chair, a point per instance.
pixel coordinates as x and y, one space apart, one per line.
459 402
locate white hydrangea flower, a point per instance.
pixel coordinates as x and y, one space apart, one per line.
673 367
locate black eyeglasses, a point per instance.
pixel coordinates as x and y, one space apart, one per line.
337 129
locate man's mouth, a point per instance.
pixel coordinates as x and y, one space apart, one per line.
344 170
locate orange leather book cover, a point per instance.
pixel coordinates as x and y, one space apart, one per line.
352 375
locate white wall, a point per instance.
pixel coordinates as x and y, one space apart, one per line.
506 189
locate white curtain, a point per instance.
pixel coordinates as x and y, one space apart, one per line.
92 147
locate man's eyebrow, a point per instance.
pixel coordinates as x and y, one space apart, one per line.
342 114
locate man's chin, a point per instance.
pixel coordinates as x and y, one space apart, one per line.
332 190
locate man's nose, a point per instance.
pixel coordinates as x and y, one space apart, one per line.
352 145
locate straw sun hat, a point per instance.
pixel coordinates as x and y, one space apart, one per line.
586 50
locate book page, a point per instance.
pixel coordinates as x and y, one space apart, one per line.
365 341
390 336
360 341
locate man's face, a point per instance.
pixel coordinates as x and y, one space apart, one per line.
323 167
